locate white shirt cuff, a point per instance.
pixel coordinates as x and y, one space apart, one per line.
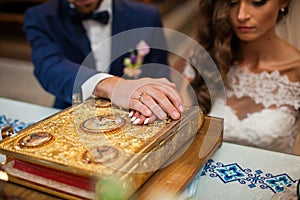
88 86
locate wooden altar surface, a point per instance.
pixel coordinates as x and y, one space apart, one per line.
173 178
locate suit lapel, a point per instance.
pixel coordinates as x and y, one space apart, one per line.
119 22
77 35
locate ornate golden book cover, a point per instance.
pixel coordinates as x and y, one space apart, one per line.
71 151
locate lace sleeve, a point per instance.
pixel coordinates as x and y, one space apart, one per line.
266 88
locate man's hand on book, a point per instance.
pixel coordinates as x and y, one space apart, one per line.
151 98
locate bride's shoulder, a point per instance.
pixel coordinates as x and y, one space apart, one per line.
291 64
292 70
297 71
295 66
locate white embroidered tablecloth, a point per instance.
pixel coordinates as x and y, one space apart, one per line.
239 172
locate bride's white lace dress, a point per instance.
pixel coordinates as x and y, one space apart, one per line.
273 122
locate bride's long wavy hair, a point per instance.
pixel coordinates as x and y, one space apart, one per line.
217 37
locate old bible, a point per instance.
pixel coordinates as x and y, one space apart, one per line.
70 153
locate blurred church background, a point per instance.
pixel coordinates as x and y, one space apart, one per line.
16 78
16 70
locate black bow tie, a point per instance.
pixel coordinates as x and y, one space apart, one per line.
102 16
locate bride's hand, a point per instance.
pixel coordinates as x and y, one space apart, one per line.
138 119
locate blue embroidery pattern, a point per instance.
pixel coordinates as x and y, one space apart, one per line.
235 173
16 124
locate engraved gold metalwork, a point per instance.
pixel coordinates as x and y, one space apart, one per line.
102 103
7 131
140 148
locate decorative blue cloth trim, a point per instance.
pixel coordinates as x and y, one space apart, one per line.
16 124
234 172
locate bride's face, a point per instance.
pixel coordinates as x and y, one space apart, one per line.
254 19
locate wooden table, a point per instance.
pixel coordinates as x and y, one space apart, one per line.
175 178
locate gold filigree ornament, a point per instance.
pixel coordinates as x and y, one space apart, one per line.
102 103
103 124
114 148
34 140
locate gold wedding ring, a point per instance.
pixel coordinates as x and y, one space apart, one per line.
140 96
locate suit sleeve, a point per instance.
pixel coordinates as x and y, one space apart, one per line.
158 56
56 73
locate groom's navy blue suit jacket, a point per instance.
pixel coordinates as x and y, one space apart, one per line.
60 44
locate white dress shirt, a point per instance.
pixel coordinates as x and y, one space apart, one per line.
97 33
